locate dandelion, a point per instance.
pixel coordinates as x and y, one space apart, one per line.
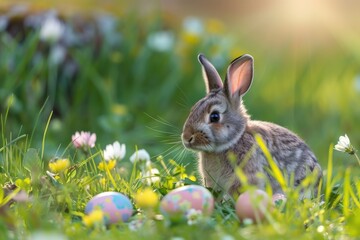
107 165
84 140
146 198
140 156
344 145
151 176
51 30
183 178
94 218
59 165
193 216
23 183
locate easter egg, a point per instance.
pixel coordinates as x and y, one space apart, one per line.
253 205
115 206
177 203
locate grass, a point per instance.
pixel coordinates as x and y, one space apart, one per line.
53 204
134 91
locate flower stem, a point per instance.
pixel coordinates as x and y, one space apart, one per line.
357 158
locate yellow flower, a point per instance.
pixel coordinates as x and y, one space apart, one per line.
146 198
119 109
214 26
23 183
116 57
96 216
191 38
169 183
183 175
59 165
192 178
107 165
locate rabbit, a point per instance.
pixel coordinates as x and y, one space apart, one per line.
219 125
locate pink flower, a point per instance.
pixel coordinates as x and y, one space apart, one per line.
84 139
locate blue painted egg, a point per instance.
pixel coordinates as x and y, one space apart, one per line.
115 206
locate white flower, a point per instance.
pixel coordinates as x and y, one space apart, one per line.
248 221
161 41
193 216
344 145
193 25
179 184
57 54
227 237
43 235
151 176
136 224
140 155
51 30
177 238
115 151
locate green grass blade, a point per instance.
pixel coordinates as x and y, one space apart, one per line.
44 136
346 198
12 141
328 186
273 166
9 196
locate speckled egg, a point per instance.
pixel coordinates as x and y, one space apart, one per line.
115 206
253 205
178 202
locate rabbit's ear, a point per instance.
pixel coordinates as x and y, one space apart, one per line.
211 76
239 77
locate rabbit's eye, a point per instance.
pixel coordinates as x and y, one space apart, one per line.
215 117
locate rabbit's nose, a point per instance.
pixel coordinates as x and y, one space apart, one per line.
188 138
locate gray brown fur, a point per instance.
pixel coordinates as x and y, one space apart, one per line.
234 133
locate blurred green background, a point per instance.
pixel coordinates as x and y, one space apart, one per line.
129 71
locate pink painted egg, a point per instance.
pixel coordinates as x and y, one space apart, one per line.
115 206
176 204
253 205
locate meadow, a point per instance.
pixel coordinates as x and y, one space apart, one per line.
133 78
